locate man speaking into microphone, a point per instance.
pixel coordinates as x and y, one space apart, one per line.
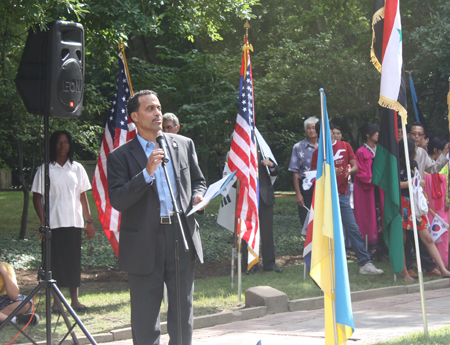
138 188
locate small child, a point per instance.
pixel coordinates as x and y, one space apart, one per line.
421 222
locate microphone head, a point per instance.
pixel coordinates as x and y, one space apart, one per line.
160 138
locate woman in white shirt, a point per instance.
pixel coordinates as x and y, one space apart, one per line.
67 205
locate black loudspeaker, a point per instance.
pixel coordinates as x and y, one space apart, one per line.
50 79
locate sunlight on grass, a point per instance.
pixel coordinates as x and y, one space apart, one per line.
439 336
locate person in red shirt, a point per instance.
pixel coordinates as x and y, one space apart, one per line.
343 156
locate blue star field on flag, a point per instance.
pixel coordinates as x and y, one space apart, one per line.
118 114
246 102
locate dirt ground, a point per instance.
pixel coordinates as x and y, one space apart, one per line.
28 279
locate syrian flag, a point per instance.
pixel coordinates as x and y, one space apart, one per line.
387 55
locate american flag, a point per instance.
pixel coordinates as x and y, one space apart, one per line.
118 130
243 158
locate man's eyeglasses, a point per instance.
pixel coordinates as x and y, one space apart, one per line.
416 134
168 127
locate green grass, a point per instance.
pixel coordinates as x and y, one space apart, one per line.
439 336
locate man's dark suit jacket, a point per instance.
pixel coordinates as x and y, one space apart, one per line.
139 201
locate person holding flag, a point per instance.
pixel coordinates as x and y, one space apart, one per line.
344 155
421 221
436 188
267 168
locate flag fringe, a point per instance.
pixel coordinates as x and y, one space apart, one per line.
255 261
378 15
394 105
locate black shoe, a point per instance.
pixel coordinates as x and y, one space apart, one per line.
24 318
252 270
273 267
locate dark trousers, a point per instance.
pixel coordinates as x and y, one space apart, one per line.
266 235
307 197
425 258
146 292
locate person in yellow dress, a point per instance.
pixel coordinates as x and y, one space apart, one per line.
10 298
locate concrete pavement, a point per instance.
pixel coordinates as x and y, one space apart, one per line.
389 313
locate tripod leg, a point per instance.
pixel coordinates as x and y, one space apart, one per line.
66 319
72 312
14 313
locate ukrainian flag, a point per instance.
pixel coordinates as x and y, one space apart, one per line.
328 259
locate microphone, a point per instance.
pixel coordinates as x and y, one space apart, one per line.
160 140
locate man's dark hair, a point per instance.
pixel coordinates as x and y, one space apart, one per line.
436 143
418 125
318 126
133 103
54 141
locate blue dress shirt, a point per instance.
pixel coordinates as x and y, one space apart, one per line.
165 201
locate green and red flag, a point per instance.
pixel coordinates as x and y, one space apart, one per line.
387 57
385 174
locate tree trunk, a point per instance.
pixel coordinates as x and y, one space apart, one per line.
23 223
25 189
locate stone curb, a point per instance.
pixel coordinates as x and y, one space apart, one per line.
357 296
257 312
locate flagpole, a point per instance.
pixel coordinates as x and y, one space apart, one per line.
239 265
127 72
234 255
330 250
416 240
448 103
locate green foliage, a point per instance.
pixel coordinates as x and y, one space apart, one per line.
427 55
26 254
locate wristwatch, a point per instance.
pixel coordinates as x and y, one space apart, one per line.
89 221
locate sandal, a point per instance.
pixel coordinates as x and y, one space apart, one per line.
82 309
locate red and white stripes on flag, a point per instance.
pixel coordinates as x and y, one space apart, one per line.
118 130
243 157
388 56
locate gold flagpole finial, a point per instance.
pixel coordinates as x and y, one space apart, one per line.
246 26
246 45
409 72
127 72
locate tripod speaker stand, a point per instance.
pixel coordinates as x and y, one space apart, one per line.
50 80
45 274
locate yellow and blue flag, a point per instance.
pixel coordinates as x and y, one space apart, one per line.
328 258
